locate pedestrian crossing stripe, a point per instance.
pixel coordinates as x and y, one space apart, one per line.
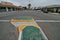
21 27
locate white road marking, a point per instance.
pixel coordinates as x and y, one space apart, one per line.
4 20
16 24
47 20
20 35
43 34
55 13
35 20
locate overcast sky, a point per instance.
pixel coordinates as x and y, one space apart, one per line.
33 2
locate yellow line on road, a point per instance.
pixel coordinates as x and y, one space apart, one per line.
21 27
13 20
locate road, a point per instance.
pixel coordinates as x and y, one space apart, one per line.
51 29
37 15
8 31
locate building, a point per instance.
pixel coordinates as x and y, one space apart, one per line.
52 8
7 6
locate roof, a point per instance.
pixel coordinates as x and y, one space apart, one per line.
51 6
8 5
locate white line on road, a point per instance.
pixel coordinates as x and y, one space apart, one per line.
20 35
47 20
16 24
43 34
35 20
4 20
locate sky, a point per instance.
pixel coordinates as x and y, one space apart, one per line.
35 3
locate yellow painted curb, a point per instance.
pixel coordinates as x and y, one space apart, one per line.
21 27
13 20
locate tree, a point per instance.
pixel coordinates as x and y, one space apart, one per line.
29 6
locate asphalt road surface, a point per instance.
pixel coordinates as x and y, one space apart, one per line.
8 31
37 15
51 29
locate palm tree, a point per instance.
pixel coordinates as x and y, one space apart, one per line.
29 6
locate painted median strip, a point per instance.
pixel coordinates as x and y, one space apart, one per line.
31 33
4 20
28 30
37 35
